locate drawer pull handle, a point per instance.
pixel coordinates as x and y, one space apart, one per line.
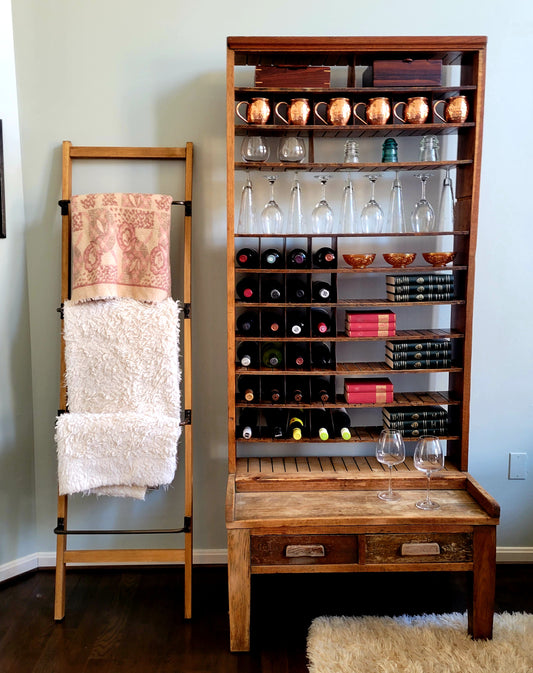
420 549
299 550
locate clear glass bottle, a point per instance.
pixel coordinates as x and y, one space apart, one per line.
348 221
246 221
396 215
295 220
351 151
429 148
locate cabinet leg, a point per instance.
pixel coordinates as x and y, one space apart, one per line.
239 589
481 608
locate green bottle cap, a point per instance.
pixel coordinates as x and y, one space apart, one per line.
346 434
323 434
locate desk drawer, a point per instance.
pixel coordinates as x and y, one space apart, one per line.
303 549
418 548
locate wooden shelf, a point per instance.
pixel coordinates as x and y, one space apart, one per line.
283 166
401 335
353 131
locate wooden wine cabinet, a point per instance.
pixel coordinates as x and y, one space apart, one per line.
289 509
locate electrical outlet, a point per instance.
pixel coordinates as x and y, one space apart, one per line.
517 465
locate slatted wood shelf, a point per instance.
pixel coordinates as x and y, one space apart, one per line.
325 167
401 335
347 91
370 269
359 435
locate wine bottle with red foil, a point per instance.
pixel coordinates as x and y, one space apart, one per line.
272 324
248 427
248 324
297 356
276 422
248 354
322 291
341 424
321 425
297 290
297 258
325 258
271 258
297 323
296 427
321 355
272 389
247 258
248 387
321 323
320 389
271 290
248 289
272 355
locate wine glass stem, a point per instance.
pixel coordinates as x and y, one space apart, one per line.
423 190
390 481
428 501
372 187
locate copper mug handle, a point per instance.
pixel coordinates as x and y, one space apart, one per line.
435 111
317 113
278 114
238 112
355 112
402 119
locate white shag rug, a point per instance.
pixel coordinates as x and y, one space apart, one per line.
421 644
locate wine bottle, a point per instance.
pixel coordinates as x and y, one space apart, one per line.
320 322
248 386
247 289
320 389
271 290
272 355
297 356
325 258
248 354
271 259
248 323
296 425
297 290
272 324
341 424
322 291
272 389
297 259
297 389
320 424
297 323
247 258
276 422
320 354
248 427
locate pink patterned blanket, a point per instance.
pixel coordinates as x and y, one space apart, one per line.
120 246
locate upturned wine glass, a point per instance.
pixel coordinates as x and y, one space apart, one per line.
372 214
428 458
445 213
423 215
322 215
271 215
246 221
295 219
390 450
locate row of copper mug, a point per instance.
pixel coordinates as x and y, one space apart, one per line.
338 112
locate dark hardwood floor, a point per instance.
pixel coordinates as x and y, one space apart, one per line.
132 620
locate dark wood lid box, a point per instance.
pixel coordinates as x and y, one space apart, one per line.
292 76
408 72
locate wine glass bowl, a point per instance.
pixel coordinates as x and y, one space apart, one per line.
438 259
271 215
428 458
399 260
423 215
390 450
359 261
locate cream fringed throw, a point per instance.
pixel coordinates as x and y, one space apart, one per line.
120 246
122 374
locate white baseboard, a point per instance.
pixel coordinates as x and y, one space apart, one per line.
216 557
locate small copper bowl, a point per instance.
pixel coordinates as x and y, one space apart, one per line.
399 259
438 258
359 261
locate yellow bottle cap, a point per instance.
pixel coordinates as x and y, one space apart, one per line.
297 433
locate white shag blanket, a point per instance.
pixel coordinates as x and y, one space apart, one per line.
420 644
123 380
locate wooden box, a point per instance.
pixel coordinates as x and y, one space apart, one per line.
409 72
292 76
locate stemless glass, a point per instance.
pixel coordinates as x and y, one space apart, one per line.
390 450
372 215
445 213
246 221
254 148
322 215
348 221
396 217
295 219
291 148
423 215
428 458
271 215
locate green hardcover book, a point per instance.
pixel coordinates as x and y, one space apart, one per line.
394 414
421 296
420 279
433 363
440 345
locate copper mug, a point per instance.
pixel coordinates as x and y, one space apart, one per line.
455 111
377 111
416 110
258 111
338 112
298 111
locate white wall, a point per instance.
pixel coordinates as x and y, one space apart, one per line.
137 73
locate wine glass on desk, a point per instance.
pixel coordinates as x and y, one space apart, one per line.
390 450
428 458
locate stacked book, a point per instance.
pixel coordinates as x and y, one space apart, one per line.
427 287
368 391
370 323
416 421
436 354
